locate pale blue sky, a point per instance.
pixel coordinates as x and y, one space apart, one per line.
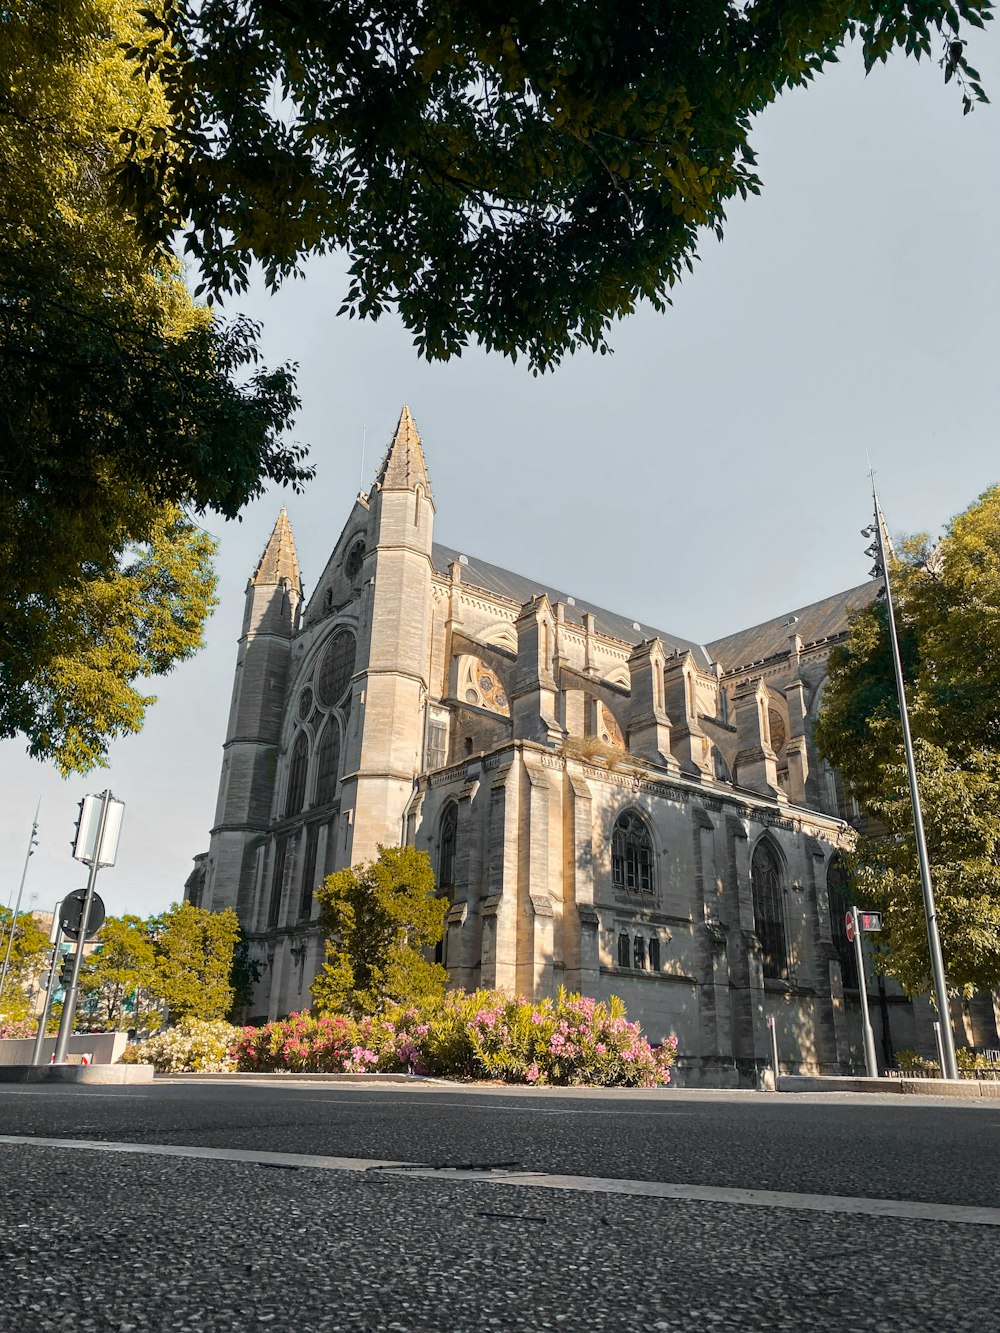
709 475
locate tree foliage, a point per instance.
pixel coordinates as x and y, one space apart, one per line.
120 398
122 973
71 659
28 950
948 616
194 949
378 919
521 174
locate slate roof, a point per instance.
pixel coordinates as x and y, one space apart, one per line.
520 589
819 620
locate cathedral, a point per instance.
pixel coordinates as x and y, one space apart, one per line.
607 806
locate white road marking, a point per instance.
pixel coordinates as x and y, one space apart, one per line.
907 1209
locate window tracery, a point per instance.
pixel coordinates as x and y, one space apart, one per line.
449 843
632 854
328 763
769 910
298 767
337 668
839 896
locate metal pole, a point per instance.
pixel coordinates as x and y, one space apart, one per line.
17 906
938 1042
43 1022
69 1003
871 1064
949 1066
774 1047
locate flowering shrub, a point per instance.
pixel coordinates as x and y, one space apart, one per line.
485 1034
298 1044
569 1040
17 1027
193 1046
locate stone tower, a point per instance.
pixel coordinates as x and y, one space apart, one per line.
385 743
243 812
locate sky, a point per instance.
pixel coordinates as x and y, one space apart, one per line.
709 475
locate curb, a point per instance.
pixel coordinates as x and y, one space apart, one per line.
283 1076
961 1089
116 1074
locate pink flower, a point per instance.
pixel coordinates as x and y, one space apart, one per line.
532 1073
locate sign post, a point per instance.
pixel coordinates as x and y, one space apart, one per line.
856 922
55 938
96 844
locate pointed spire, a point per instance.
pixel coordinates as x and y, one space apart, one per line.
279 560
403 468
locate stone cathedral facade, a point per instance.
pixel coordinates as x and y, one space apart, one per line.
607 805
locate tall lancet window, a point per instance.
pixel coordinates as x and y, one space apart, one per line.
449 843
839 894
328 763
769 910
298 767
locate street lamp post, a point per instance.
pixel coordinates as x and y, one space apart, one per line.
949 1065
32 843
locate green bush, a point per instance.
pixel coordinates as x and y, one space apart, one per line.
193 1046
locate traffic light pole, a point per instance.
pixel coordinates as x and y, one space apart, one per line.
43 1021
69 1003
871 1064
949 1065
17 906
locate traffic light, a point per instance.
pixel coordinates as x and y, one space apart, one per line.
75 844
66 971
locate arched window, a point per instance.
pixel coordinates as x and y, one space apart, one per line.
309 876
639 953
838 892
631 854
769 911
328 763
337 668
298 766
277 882
654 955
449 840
355 559
624 951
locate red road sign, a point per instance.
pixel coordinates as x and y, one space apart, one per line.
849 918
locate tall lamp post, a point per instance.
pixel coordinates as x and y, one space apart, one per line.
881 550
32 844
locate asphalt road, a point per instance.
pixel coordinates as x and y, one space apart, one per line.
105 1240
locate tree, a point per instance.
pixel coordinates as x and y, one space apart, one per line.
194 960
520 175
948 615
28 950
122 969
121 400
243 977
378 918
70 658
